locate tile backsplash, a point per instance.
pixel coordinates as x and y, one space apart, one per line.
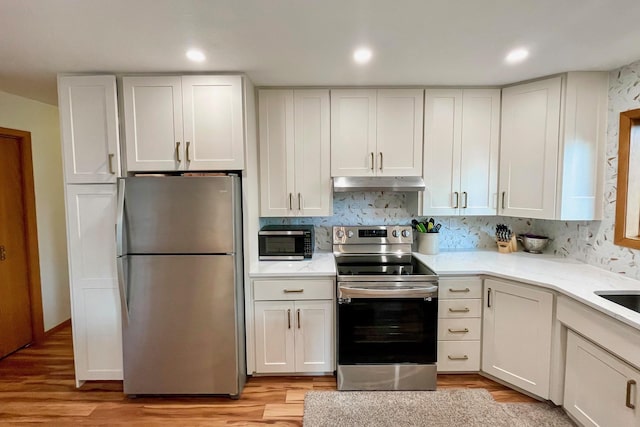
588 241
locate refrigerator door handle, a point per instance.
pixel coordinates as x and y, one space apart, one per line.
120 217
123 288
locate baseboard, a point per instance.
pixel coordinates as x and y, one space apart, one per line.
63 325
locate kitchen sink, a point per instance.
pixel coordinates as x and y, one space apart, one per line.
629 299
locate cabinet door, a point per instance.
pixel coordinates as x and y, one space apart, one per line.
213 125
277 155
153 123
97 342
529 149
516 339
313 191
353 132
314 336
399 132
274 322
442 141
479 153
598 386
89 126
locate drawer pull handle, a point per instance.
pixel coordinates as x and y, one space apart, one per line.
628 402
459 331
455 310
465 290
465 357
293 291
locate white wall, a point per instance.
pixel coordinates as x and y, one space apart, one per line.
42 121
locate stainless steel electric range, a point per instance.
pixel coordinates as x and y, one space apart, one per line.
387 318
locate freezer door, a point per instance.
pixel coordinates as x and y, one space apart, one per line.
183 332
181 215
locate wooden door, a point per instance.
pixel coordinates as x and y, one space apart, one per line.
15 301
153 123
529 149
314 336
213 123
516 338
442 140
399 132
313 191
353 132
276 152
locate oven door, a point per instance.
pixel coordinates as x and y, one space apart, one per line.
387 323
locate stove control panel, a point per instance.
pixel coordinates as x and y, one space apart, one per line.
372 234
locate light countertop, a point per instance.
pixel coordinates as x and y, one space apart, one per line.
322 264
566 276
563 275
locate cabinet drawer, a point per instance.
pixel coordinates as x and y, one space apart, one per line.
467 287
278 290
459 308
463 329
458 356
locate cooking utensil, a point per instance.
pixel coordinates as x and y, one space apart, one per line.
533 243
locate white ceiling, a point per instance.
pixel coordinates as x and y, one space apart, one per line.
310 42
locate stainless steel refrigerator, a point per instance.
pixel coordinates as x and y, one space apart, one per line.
180 274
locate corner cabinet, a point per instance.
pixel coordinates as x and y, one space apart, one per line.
600 389
95 303
376 132
461 141
516 339
294 325
552 147
183 123
294 153
89 128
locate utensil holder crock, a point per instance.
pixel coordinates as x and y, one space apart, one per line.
428 243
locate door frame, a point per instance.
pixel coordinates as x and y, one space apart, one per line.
31 230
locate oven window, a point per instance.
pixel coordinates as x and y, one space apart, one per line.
399 330
276 245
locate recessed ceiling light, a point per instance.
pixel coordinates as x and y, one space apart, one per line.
517 55
362 55
195 55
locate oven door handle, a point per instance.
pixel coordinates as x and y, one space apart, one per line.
350 292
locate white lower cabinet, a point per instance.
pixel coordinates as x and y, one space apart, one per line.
459 324
600 389
294 326
97 340
516 339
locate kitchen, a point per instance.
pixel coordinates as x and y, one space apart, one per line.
585 240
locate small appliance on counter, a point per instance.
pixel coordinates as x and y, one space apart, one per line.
285 242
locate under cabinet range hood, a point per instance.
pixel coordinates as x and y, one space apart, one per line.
378 183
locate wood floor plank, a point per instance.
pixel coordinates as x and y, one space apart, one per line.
37 385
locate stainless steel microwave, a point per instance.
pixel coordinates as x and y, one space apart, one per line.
285 242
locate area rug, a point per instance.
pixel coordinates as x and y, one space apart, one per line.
440 408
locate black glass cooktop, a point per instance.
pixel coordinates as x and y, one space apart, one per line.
381 266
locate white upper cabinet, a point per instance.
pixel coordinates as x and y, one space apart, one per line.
183 123
461 151
89 126
399 132
294 153
376 132
551 152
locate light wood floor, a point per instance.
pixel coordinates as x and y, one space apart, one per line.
37 385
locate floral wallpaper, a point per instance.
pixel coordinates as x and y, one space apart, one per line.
588 241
